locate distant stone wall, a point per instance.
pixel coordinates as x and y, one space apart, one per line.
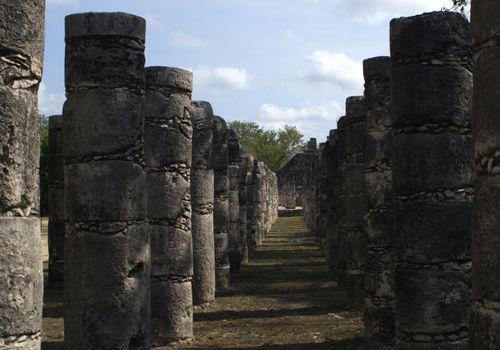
291 177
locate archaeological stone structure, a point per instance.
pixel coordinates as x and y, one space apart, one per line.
245 201
220 164
332 215
432 178
56 203
340 189
21 272
107 247
354 201
233 149
202 199
167 147
379 310
291 177
485 324
154 203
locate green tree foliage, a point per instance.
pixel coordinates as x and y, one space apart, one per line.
44 167
275 148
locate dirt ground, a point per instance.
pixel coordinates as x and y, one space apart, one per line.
285 298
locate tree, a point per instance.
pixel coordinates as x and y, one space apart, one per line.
275 148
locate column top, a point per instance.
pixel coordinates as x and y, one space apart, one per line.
443 33
171 77
105 24
377 67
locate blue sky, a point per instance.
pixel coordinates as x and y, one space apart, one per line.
274 62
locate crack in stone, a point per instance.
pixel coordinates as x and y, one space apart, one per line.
464 194
133 153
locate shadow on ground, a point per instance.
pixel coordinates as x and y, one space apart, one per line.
285 298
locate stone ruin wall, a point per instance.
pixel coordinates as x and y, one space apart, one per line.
390 192
291 177
413 166
133 190
21 270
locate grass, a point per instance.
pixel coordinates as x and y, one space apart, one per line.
285 298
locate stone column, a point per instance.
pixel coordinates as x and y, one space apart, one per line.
485 326
167 146
340 189
107 250
245 201
221 203
332 212
379 312
355 200
432 178
202 199
56 203
233 148
21 272
258 205
251 196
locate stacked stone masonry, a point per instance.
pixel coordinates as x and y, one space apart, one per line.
432 178
291 177
245 201
153 201
167 145
220 159
107 247
415 171
234 252
354 200
21 272
485 325
56 203
202 196
379 310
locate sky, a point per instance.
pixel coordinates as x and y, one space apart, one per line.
273 62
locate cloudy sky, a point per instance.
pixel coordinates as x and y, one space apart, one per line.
274 62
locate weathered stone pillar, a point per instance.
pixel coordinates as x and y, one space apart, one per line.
355 200
245 201
233 149
322 197
251 208
107 250
221 203
167 146
432 178
202 199
21 272
332 209
485 326
258 205
340 188
380 298
56 203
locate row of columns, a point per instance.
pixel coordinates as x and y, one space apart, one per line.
161 201
400 187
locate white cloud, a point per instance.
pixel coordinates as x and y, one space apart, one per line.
376 11
222 77
63 2
50 103
311 120
183 40
154 21
336 68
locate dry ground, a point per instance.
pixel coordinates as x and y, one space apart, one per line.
283 299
